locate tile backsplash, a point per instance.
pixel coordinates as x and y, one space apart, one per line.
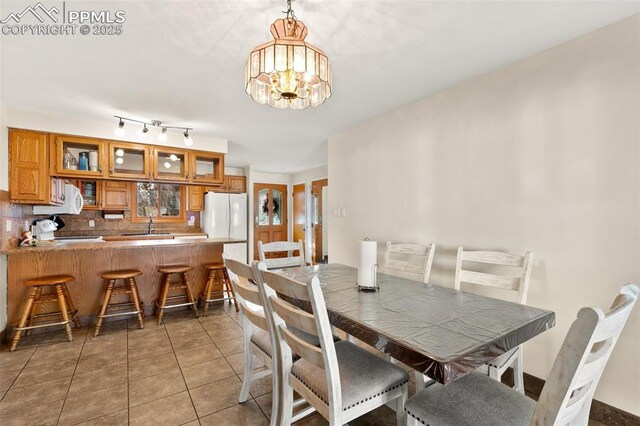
19 214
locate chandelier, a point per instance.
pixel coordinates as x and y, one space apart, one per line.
288 72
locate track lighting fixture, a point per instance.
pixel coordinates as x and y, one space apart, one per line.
163 136
187 139
119 131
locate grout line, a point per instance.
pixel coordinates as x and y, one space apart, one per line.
128 366
182 374
72 377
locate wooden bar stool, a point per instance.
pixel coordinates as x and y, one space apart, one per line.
217 276
130 287
167 285
57 292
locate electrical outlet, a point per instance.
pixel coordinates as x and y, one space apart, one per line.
92 224
8 225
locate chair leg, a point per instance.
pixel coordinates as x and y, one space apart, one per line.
23 320
63 309
72 308
136 300
187 288
401 416
518 372
162 301
248 367
207 293
227 284
103 308
34 310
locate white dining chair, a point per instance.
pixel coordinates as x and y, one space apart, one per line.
411 261
257 342
566 397
517 281
279 247
339 379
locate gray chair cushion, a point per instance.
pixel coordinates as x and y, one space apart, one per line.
363 375
475 399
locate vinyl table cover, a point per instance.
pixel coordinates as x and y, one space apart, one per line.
441 332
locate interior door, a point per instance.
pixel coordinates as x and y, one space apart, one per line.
317 220
299 212
270 214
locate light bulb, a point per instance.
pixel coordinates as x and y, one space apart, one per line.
187 139
119 131
173 157
120 152
162 137
142 133
167 165
119 160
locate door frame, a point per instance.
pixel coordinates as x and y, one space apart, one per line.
308 241
285 212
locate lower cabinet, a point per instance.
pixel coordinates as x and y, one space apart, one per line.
115 195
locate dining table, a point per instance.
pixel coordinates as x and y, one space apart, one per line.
438 331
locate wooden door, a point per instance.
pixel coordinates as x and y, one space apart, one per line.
195 199
29 180
317 219
299 212
115 195
270 214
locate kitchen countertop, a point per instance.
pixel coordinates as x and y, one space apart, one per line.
115 245
153 236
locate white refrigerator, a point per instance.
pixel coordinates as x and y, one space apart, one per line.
225 216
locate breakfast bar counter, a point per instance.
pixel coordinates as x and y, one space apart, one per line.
86 261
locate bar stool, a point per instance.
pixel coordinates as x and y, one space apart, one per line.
130 287
58 292
217 275
167 285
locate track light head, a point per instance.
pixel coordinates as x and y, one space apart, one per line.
187 138
162 137
119 131
142 133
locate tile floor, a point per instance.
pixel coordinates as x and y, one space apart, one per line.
185 372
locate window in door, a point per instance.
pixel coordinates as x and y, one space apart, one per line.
163 202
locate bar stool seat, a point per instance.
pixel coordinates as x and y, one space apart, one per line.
58 292
129 288
167 286
217 275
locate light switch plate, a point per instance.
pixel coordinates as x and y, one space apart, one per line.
92 224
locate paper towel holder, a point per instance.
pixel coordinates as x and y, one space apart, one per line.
374 287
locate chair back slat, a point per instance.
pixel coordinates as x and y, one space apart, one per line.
567 395
278 247
246 293
410 261
518 283
286 286
294 317
302 348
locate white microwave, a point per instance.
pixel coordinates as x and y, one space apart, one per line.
73 203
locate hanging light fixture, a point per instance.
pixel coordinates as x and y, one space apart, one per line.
288 72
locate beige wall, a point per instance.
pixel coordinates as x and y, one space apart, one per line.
542 155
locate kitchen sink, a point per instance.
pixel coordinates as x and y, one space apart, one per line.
145 234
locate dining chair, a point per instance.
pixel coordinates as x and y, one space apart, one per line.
517 282
257 342
339 379
476 399
279 247
411 261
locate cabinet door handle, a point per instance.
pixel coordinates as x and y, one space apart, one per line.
111 171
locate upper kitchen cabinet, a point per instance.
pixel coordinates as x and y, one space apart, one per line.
29 180
207 168
78 156
170 164
129 161
235 184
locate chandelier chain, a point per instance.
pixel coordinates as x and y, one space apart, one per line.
289 12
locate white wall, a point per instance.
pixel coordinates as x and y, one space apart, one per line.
542 155
35 120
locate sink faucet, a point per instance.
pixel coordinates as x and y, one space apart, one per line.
150 228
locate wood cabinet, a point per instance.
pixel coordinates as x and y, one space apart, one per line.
129 161
57 191
207 167
232 184
115 195
195 200
170 164
91 191
29 180
78 156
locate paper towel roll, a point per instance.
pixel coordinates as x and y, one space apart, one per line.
368 258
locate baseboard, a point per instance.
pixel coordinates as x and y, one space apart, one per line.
600 412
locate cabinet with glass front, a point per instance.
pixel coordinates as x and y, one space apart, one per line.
170 164
207 167
77 156
129 161
91 191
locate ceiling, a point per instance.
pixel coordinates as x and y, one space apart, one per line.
182 62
